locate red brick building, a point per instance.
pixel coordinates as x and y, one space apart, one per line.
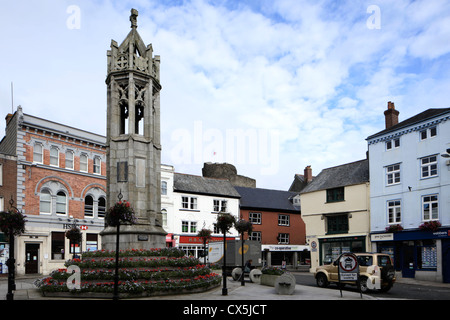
277 224
60 177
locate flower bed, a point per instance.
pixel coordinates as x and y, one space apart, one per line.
49 286
131 262
165 252
141 273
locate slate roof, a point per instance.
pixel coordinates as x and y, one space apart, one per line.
425 115
207 186
340 176
267 199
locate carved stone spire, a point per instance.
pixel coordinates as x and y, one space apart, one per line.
133 140
133 18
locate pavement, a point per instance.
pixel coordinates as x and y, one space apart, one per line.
26 290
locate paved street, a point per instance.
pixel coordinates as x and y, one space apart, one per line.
307 289
402 289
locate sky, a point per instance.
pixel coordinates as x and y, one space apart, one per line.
268 86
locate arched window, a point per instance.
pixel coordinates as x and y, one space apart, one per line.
88 206
69 159
54 156
37 152
61 203
101 207
45 202
97 165
84 162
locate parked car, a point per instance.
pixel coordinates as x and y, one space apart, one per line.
376 272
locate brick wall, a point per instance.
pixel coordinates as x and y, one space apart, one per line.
72 181
270 229
8 183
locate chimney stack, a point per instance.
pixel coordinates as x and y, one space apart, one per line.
391 115
308 174
8 118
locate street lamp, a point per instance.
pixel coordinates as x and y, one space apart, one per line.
12 223
224 222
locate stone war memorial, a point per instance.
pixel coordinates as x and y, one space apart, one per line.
143 265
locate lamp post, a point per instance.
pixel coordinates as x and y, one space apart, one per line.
224 222
224 267
116 274
243 226
12 223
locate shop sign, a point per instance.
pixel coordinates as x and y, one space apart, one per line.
382 237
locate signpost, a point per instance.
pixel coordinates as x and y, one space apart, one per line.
348 270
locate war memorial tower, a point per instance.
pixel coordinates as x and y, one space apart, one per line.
133 141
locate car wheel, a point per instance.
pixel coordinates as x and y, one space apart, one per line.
363 284
322 280
387 287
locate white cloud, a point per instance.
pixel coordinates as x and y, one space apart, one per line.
311 70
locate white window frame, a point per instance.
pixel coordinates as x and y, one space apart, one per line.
70 159
97 165
164 188
59 203
430 166
255 236
54 159
82 163
394 210
283 220
220 205
428 133
393 144
189 203
392 174
430 201
38 157
49 201
255 217
283 238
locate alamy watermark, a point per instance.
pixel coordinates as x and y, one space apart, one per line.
374 21
74 280
259 147
74 19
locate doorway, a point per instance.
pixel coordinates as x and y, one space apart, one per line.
31 258
446 260
408 264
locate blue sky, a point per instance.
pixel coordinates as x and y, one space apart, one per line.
270 86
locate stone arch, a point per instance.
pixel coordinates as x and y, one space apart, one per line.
54 184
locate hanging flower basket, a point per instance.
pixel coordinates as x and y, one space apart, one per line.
243 226
430 225
205 234
74 235
12 221
120 213
394 228
225 221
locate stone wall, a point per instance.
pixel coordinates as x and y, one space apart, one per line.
227 171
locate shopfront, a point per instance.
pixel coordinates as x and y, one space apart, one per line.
417 254
284 255
331 248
